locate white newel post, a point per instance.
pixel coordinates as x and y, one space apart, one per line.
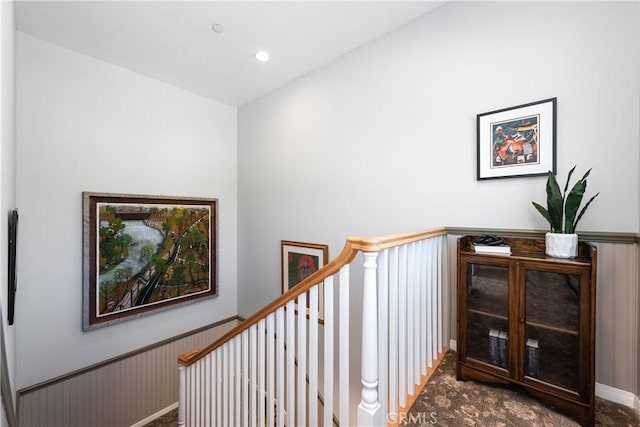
369 409
182 392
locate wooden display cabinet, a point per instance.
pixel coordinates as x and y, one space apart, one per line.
529 319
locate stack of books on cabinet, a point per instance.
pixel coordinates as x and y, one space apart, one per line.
532 358
490 249
498 344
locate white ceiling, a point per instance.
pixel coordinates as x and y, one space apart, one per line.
172 41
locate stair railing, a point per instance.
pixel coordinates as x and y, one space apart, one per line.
276 366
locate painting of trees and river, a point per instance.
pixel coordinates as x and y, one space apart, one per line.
147 254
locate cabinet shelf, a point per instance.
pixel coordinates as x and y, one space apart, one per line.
552 328
542 310
486 313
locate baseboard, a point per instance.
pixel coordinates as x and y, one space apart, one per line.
156 415
604 391
616 395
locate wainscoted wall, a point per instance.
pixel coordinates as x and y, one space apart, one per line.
617 316
617 321
124 391
120 392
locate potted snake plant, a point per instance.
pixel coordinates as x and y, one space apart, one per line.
563 216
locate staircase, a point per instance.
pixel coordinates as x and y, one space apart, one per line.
310 357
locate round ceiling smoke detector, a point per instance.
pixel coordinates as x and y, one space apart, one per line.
262 56
218 28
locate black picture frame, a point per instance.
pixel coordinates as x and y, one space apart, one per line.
517 141
12 257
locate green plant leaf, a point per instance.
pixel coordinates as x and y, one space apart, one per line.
562 208
572 204
543 211
566 185
555 203
575 224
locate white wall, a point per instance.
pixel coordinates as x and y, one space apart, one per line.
383 140
638 274
7 168
85 125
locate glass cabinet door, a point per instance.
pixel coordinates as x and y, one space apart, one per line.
552 328
487 312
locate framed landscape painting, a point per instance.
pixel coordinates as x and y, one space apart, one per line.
142 254
517 141
299 261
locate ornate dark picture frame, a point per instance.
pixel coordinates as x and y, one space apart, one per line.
517 141
143 254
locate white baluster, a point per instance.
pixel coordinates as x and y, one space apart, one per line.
198 392
369 409
328 350
422 263
245 378
280 357
417 315
182 394
253 376
291 360
191 400
393 331
270 337
218 383
232 401
313 356
428 307
440 278
261 377
343 337
383 325
433 300
301 357
402 325
226 390
411 321
195 393
208 380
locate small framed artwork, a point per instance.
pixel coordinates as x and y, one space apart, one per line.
517 141
143 254
299 261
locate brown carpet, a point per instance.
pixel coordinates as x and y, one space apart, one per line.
448 402
170 419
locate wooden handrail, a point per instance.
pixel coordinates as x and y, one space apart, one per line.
351 248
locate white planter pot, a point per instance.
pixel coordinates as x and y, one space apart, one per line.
561 245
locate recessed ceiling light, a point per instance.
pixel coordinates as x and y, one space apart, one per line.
218 28
262 56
